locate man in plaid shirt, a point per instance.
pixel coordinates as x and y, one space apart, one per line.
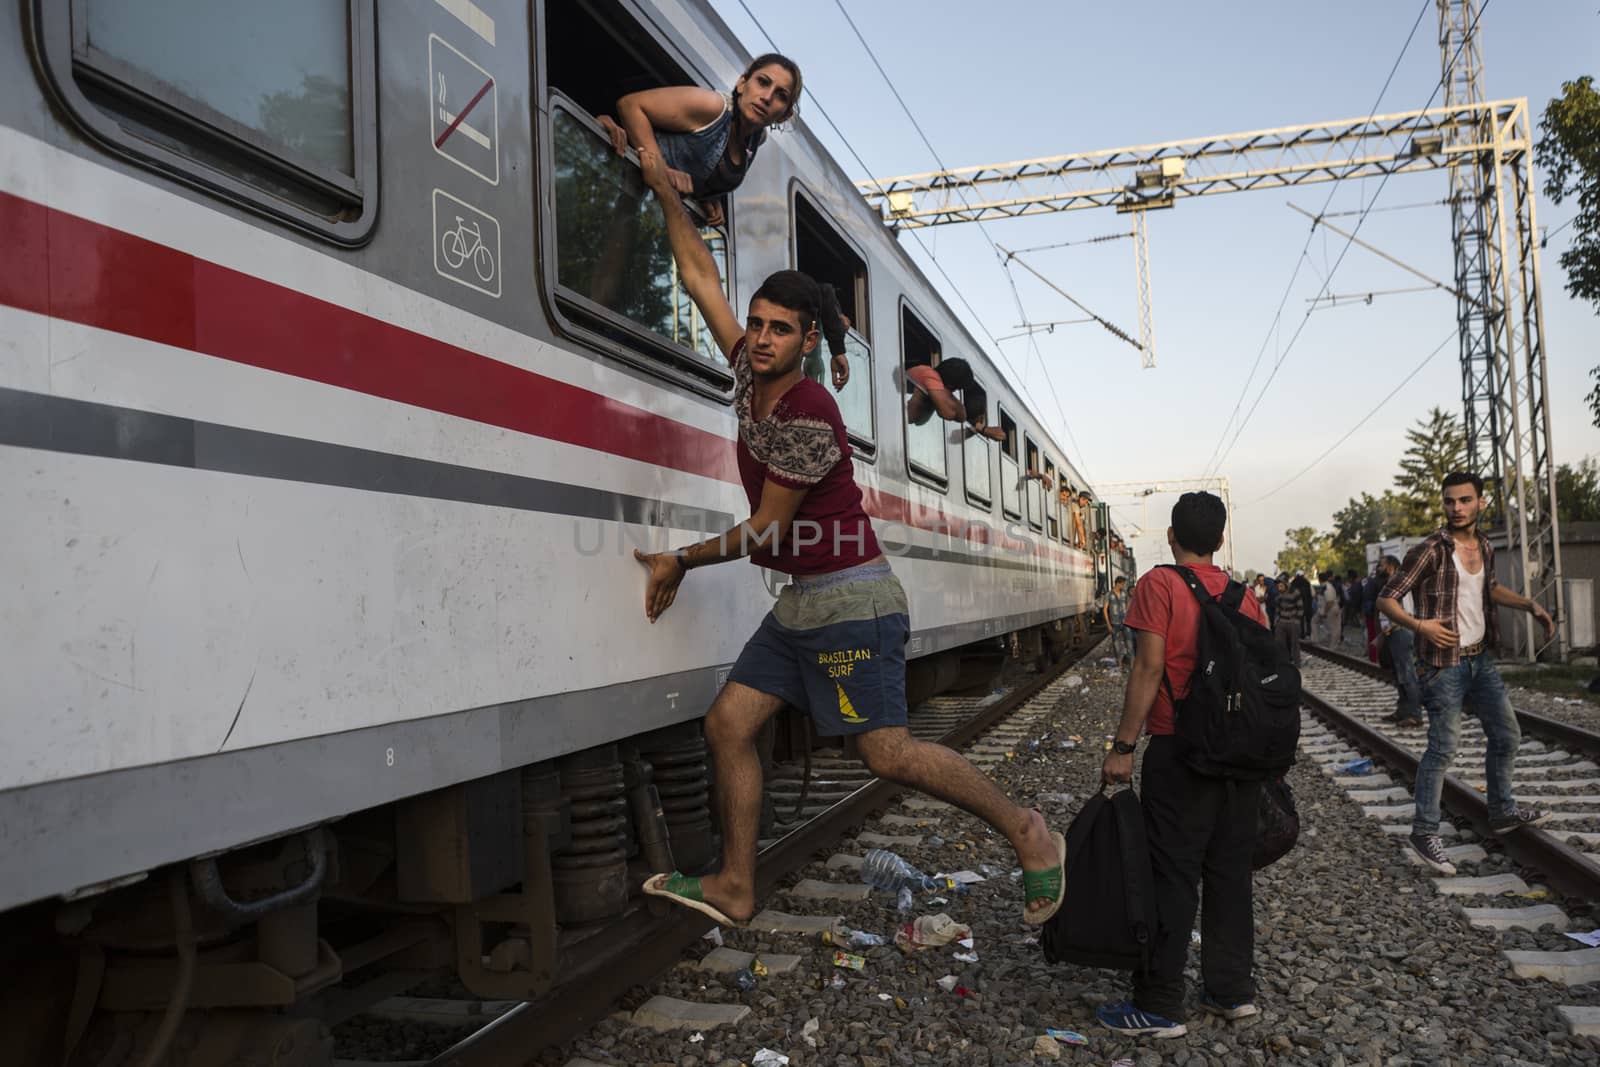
1451 575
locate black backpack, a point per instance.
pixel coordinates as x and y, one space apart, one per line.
1241 718
1108 918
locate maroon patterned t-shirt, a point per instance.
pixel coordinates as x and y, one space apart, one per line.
802 445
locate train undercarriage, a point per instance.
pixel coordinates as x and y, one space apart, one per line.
512 883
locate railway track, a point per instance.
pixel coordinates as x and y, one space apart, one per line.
1558 767
842 795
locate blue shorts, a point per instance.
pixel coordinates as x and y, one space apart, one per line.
835 646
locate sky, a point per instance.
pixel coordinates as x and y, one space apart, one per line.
1016 79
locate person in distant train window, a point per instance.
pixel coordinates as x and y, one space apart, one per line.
833 645
978 421
932 391
708 139
1080 521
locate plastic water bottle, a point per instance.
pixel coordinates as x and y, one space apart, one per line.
882 869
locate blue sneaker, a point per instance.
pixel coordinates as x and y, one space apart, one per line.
1124 1018
1231 1012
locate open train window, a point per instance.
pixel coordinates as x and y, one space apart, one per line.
607 258
269 105
1010 474
1033 491
820 251
925 432
977 467
1052 525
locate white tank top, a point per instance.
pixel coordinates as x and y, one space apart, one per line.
1469 604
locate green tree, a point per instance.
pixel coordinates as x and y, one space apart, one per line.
1569 153
1367 519
1305 550
1578 491
1438 446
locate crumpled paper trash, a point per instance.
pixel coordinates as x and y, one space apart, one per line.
930 931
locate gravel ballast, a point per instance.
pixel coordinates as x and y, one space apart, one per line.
1359 960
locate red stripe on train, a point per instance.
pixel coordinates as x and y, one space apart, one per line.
74 269
81 271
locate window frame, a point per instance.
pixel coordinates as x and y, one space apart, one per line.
639 347
1027 494
67 61
918 474
1052 498
865 448
986 502
1003 417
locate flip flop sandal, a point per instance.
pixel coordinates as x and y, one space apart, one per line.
681 889
1050 882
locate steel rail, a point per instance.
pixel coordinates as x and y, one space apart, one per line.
1569 870
661 932
1565 734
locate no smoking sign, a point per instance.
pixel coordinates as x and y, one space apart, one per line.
464 111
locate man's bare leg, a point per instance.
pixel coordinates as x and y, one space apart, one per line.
732 725
892 753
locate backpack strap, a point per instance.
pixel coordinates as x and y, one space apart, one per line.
1233 596
1189 580
1130 823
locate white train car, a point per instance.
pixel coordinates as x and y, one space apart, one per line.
341 367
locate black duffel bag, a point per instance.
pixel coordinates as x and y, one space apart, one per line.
1277 823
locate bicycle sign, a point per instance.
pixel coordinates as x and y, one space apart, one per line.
466 244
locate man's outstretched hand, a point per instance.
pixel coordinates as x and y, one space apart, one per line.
666 573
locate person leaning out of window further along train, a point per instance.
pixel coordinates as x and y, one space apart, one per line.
934 392
708 139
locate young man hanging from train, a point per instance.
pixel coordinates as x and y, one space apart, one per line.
834 642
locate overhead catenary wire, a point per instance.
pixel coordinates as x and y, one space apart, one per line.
839 133
982 229
1335 300
1102 239
1215 460
1451 336
1356 229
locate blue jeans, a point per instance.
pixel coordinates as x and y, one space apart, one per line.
1402 649
1121 641
1476 681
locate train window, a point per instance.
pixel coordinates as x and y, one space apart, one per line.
1010 475
925 433
821 252
1034 490
1052 526
272 104
613 271
977 467
1073 517
612 253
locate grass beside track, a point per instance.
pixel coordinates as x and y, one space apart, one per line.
1548 678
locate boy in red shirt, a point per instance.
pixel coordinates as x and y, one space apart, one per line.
1194 825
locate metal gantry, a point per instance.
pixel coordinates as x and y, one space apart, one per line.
1486 147
1500 319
